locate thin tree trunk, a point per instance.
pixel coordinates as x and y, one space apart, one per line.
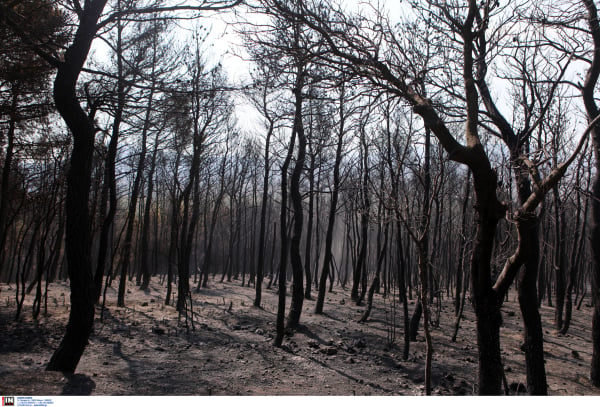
135 191
360 270
207 262
309 226
263 218
461 247
145 234
328 255
401 277
295 257
110 176
377 280
559 259
575 253
280 322
6 173
174 235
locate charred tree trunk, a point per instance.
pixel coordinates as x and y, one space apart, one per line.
137 183
328 255
295 258
578 243
260 265
461 247
401 277
78 240
208 252
174 233
110 173
6 174
280 323
309 226
382 252
559 259
592 112
190 198
415 320
360 268
144 252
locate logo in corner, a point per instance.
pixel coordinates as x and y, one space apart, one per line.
8 401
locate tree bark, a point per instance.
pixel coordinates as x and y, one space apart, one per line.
6 174
295 257
280 322
559 259
461 247
578 243
309 225
360 271
592 112
260 265
328 255
144 252
78 241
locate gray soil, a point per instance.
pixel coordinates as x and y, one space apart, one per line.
146 349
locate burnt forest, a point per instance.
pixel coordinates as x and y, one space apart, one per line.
299 197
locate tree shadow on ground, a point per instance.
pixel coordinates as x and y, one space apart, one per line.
24 335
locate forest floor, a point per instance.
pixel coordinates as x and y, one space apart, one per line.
144 349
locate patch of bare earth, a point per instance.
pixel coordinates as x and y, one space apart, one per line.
145 349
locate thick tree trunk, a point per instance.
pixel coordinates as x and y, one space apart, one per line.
488 340
592 112
595 244
528 252
485 300
527 293
78 241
